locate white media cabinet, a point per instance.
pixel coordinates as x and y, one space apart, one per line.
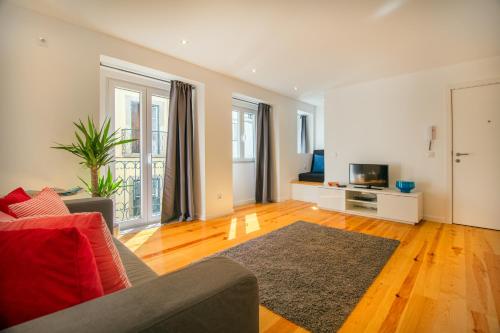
386 204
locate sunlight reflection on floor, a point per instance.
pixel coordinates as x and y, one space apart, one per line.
251 223
232 228
140 238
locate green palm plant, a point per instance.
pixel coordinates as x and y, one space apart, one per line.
94 146
106 186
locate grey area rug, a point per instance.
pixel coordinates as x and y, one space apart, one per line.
312 275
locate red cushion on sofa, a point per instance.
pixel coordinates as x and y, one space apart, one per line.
6 217
47 202
15 196
92 225
43 271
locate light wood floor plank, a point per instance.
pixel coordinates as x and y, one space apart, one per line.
442 278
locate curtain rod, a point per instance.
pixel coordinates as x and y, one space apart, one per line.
143 75
242 100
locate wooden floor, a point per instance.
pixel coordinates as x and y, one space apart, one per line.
442 278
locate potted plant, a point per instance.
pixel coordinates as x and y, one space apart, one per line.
94 146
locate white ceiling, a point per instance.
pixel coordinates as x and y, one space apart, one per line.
311 45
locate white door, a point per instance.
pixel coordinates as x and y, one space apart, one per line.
140 112
476 156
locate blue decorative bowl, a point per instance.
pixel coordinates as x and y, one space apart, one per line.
405 186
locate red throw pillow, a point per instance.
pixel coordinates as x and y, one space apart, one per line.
47 202
15 196
110 267
44 271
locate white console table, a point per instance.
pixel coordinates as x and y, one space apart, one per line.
385 204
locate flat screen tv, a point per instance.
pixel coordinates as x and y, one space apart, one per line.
369 175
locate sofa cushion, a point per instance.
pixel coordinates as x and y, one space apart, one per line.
44 271
92 225
15 196
312 177
4 217
47 202
318 164
87 205
137 271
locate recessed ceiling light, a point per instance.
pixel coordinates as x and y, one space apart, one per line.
184 42
254 70
295 88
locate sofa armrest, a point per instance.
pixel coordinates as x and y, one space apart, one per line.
216 295
101 205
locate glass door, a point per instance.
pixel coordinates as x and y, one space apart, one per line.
138 112
158 152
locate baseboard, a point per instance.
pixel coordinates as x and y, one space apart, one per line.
200 217
215 216
243 202
439 219
282 199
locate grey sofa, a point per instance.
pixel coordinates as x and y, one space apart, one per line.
216 295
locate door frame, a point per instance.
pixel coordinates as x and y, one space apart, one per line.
449 136
147 87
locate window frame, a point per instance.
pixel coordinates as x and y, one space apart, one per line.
241 112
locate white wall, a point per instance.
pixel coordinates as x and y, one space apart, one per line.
385 121
319 130
45 88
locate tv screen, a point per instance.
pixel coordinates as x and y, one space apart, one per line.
376 175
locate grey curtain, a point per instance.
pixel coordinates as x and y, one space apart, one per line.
178 188
304 135
263 156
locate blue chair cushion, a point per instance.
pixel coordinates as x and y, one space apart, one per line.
318 164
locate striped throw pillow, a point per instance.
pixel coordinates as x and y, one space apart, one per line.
47 202
111 270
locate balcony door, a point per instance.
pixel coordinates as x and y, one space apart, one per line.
139 112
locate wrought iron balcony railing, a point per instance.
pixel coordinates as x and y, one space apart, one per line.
128 198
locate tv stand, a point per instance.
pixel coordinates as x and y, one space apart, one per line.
376 188
369 187
385 204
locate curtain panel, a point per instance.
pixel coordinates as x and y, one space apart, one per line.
304 135
178 186
263 179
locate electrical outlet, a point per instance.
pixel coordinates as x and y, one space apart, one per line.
219 196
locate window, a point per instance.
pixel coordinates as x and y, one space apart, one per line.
159 120
243 122
135 210
304 132
140 112
157 192
133 130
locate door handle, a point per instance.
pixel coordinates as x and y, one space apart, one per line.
462 154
